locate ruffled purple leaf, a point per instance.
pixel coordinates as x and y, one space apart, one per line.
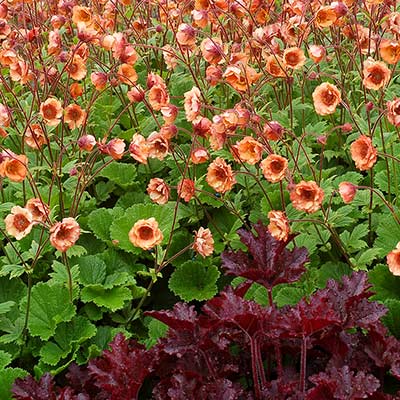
268 262
342 384
120 371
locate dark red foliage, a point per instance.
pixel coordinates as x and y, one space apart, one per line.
120 371
268 262
331 345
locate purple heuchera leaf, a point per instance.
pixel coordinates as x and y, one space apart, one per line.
28 389
342 384
189 385
232 309
268 262
120 372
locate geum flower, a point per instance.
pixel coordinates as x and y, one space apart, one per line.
363 153
13 166
220 176
64 234
274 168
203 242
146 234
326 98
393 260
158 191
19 223
307 196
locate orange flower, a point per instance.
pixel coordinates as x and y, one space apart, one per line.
347 191
19 72
325 17
363 153
317 53
376 74
211 50
220 176
199 155
14 167
273 130
307 196
275 66
136 94
5 117
169 113
202 127
326 98
75 90
158 145
127 74
99 80
240 76
76 68
35 137
186 35
19 222
114 148
51 111
158 191
168 131
39 210
213 75
86 142
146 234
139 148
389 51
186 189
192 103
393 114
278 225
200 18
81 15
158 97
54 46
248 150
393 260
293 57
64 234
74 116
203 242
274 168
169 57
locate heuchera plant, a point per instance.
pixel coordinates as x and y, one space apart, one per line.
331 345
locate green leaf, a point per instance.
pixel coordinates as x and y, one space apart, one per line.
157 330
113 299
5 359
100 220
120 173
194 281
50 305
392 318
7 378
388 234
60 274
121 226
341 217
67 337
352 241
14 270
385 284
92 270
288 295
6 306
14 330
331 270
